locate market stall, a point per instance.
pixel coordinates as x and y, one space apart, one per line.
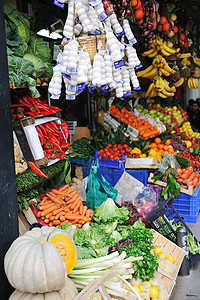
102 208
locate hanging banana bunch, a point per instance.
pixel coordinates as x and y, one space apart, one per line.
196 60
192 83
159 46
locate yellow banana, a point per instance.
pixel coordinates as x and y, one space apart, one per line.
194 83
154 53
167 68
179 82
168 88
168 94
159 41
159 84
168 49
190 83
183 55
140 73
146 53
164 72
164 52
196 60
151 74
152 94
160 94
149 90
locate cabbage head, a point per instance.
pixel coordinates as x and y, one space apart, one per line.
39 66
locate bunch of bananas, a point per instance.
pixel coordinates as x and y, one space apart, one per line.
196 60
159 46
192 83
183 55
159 65
161 88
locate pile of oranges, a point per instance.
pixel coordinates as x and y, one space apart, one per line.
146 130
158 148
164 25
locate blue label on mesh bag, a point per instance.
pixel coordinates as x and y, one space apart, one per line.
71 71
70 97
118 63
122 99
77 21
67 76
81 87
139 66
137 88
128 94
132 41
71 88
55 97
97 32
118 35
57 3
95 2
102 16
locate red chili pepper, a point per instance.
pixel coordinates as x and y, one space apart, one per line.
65 129
12 110
55 144
42 139
39 130
20 109
48 127
32 102
66 146
62 156
53 156
24 102
41 126
36 170
47 146
14 117
33 109
29 113
54 125
48 155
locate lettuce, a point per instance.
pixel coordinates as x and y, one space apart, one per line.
39 48
39 67
108 212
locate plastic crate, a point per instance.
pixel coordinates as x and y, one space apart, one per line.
115 164
113 175
159 218
188 206
80 161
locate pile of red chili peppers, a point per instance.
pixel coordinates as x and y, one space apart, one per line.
53 138
30 106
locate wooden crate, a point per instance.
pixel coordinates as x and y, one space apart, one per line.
26 218
190 191
177 252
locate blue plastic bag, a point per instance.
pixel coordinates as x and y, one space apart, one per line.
98 189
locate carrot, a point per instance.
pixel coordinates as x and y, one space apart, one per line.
74 222
81 222
51 224
72 217
81 209
58 192
54 199
43 199
84 210
52 218
78 225
45 206
88 213
64 188
42 218
49 216
56 222
55 212
72 206
38 215
48 210
77 206
62 218
46 220
69 191
62 213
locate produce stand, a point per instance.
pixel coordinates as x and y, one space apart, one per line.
105 191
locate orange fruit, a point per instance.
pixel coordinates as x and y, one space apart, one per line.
168 142
175 29
160 146
157 140
153 145
139 5
139 22
166 26
160 28
138 14
171 150
165 148
163 20
133 3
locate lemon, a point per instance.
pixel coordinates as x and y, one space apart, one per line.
147 283
171 258
157 250
141 287
136 288
154 292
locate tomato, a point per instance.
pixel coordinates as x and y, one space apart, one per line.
119 146
111 157
104 155
115 145
100 156
101 151
128 150
125 146
194 139
123 151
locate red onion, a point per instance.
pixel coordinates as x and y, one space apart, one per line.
128 12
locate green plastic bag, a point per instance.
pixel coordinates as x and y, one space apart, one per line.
98 189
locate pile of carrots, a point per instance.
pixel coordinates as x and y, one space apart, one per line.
187 177
63 206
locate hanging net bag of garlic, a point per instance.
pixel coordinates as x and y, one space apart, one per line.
93 53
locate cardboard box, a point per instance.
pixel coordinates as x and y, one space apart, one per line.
28 139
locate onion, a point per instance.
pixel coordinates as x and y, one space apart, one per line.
128 12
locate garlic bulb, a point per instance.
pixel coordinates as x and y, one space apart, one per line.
117 75
83 67
108 68
126 78
72 59
94 19
134 79
128 32
102 16
115 24
119 90
83 16
68 27
133 60
97 70
55 84
116 54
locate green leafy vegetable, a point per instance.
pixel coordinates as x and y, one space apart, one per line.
39 67
109 212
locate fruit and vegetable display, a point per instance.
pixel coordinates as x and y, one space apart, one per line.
20 164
